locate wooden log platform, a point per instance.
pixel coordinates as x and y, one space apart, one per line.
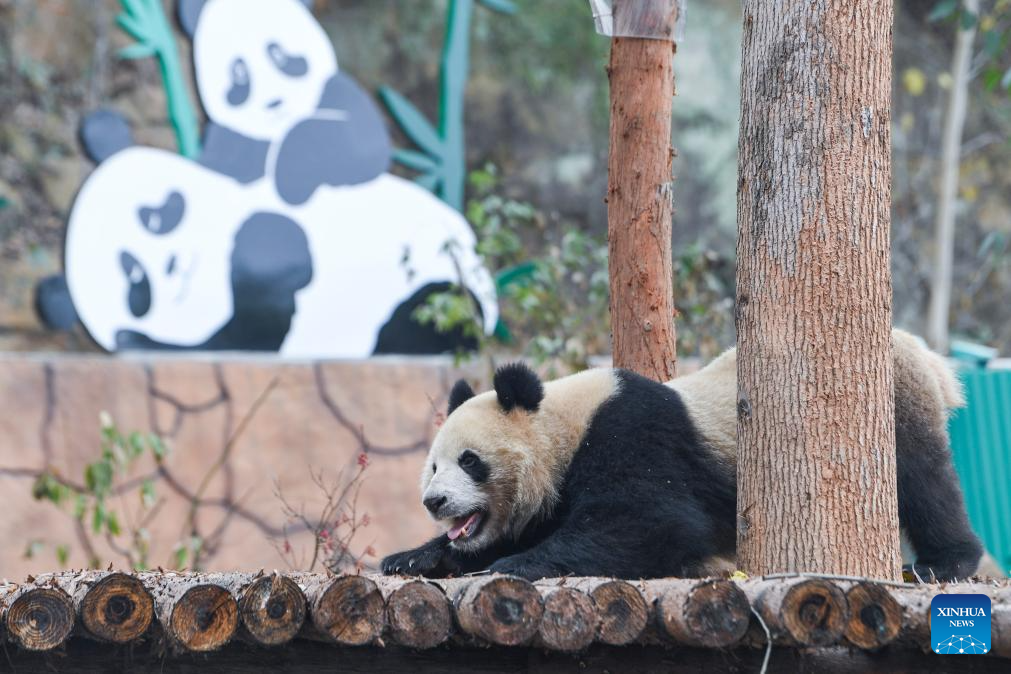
81 621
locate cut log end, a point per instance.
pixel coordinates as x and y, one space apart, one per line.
118 608
712 614
418 615
204 618
569 622
875 617
502 610
814 613
623 612
349 611
272 609
40 619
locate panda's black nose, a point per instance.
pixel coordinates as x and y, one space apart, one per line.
433 503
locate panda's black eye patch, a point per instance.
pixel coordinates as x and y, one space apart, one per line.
139 296
238 91
163 219
474 466
291 65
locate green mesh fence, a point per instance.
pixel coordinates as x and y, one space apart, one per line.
981 442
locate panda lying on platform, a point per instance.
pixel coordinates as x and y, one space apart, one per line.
606 473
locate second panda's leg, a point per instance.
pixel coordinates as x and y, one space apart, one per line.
931 506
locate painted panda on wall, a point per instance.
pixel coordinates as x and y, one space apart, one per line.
606 473
276 103
287 235
162 253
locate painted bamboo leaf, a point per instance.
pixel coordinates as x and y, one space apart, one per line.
503 6
413 122
416 160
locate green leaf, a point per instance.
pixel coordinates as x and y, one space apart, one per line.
62 554
179 556
968 19
504 6
112 523
415 160
136 443
98 477
98 517
993 40
33 548
48 488
137 51
943 10
413 122
158 447
80 507
147 496
991 78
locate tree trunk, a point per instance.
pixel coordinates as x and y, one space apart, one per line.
816 429
951 162
639 202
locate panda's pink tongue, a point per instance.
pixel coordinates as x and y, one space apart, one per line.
460 525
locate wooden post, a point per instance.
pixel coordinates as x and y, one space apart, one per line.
816 429
639 202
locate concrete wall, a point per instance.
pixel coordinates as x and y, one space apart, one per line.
316 417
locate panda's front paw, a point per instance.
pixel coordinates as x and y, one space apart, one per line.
526 567
421 561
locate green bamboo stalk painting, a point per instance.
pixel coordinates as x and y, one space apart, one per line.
145 21
440 158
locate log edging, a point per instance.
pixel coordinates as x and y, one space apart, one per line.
203 612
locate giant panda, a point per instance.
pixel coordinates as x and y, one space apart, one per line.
607 473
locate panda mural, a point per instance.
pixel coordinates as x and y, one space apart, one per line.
287 235
277 105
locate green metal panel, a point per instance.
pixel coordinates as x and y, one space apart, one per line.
981 443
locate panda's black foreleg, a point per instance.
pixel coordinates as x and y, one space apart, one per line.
931 505
438 559
609 542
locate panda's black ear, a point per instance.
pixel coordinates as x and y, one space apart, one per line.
461 393
53 304
103 133
518 385
188 12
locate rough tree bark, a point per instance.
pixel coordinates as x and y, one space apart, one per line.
951 162
816 436
639 202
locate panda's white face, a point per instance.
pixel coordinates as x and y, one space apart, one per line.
458 491
148 246
261 66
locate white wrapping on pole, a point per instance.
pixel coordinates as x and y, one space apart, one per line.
638 18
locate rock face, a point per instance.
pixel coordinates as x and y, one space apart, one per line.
317 417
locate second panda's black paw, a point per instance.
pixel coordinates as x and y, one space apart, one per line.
955 563
423 561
